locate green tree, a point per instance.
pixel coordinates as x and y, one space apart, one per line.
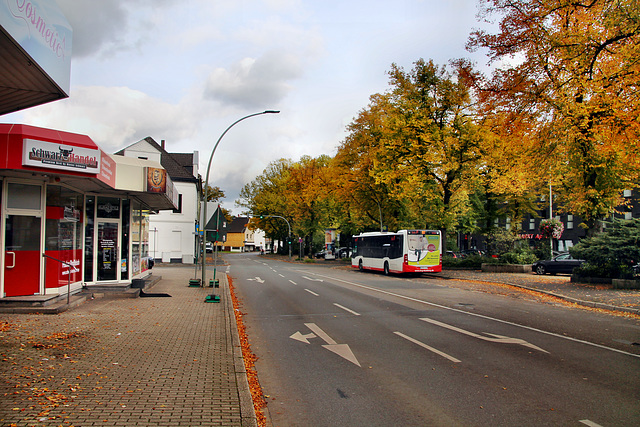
613 252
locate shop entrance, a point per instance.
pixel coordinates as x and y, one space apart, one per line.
22 227
107 253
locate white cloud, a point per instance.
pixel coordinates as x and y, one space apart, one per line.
113 116
254 83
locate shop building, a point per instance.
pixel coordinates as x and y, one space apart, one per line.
72 216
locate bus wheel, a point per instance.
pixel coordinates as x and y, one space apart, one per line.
360 266
386 268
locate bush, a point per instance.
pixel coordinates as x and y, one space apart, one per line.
611 253
522 255
469 262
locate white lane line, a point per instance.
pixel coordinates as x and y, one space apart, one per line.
293 282
435 350
590 423
311 292
280 275
506 322
346 309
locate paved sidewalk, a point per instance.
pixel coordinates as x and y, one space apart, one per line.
170 361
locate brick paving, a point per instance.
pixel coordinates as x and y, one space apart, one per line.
155 361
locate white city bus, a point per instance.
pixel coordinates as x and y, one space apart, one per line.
406 251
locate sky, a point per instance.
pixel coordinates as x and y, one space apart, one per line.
184 70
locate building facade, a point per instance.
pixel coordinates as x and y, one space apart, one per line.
172 235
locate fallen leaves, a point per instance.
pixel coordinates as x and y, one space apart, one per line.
259 402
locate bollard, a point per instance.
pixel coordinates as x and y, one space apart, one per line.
194 283
212 298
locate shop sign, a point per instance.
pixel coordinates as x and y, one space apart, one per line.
107 170
59 156
41 29
156 180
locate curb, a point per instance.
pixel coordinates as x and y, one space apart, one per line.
247 410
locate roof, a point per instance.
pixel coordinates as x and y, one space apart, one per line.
179 166
238 225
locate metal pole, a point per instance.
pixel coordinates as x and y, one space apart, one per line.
205 190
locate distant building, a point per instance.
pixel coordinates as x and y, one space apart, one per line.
172 235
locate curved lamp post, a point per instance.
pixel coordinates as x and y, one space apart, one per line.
206 183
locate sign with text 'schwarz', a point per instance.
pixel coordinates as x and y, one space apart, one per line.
59 156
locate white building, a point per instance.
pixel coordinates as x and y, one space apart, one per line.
172 235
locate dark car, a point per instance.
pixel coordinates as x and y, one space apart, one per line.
563 263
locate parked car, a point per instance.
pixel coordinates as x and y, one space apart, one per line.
468 252
343 252
563 263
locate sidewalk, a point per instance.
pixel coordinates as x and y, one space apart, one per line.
157 360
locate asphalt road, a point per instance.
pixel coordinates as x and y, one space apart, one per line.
340 347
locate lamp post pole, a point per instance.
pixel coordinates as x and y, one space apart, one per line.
205 189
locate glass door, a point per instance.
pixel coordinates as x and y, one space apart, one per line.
22 239
107 253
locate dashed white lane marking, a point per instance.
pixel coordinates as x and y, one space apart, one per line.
311 292
590 423
423 345
293 282
346 309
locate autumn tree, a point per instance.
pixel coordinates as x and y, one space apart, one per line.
573 65
266 195
364 203
432 146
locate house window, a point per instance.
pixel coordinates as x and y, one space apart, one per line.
569 222
626 193
507 226
628 215
532 224
179 210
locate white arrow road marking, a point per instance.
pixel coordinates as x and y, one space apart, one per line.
311 292
313 280
341 350
298 336
257 279
346 309
423 345
498 338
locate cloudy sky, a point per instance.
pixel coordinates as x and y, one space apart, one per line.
184 70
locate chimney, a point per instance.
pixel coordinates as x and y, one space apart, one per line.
162 144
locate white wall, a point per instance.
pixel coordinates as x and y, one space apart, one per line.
174 238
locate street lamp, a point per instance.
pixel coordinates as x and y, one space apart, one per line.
205 189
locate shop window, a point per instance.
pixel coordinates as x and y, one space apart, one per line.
90 211
139 239
23 196
108 207
63 235
126 230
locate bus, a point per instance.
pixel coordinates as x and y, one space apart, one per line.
406 251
